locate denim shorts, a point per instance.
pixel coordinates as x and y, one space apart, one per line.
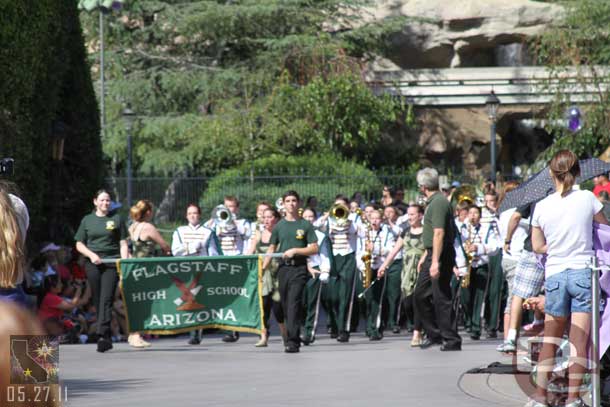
567 292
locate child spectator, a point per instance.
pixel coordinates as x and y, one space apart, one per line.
52 307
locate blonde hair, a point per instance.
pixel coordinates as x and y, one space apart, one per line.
11 244
138 211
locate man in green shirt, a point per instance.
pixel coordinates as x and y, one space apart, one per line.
433 294
296 239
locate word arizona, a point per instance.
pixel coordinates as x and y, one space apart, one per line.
186 267
171 320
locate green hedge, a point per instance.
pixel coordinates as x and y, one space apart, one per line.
323 176
45 81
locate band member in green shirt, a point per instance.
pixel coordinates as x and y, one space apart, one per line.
296 239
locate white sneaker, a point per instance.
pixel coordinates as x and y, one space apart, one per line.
577 403
508 346
534 403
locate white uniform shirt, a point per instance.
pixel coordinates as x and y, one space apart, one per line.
344 238
234 238
486 238
383 241
196 240
322 258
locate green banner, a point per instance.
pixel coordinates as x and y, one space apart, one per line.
167 295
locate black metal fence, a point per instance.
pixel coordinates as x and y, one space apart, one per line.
170 195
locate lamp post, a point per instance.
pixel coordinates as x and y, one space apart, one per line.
104 7
129 116
492 103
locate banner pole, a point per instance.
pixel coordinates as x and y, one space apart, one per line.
595 359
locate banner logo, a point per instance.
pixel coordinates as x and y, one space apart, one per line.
187 301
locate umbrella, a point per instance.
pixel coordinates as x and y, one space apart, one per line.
540 185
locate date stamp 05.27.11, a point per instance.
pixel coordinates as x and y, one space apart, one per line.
34 372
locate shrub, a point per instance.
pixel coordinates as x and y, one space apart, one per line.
322 176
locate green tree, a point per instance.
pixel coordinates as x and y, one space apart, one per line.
579 41
47 94
211 81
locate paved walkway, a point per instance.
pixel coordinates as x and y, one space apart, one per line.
325 374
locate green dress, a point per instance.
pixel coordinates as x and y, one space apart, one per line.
270 281
413 249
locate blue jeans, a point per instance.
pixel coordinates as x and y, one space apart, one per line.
567 292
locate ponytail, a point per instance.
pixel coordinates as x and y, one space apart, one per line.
138 211
565 168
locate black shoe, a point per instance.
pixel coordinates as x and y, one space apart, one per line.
104 345
396 330
426 343
475 337
450 348
307 340
375 337
492 334
343 337
231 337
291 349
194 341
333 335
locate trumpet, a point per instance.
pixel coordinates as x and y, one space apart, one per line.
339 214
222 216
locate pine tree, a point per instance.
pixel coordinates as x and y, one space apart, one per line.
217 83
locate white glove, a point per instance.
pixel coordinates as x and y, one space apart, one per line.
194 248
462 271
324 276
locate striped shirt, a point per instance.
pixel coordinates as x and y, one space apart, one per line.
195 240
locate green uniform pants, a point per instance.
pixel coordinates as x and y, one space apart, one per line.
393 291
494 292
373 298
346 272
478 282
310 299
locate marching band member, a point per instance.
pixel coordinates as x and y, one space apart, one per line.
234 235
496 277
390 216
194 239
379 242
343 233
394 274
319 267
482 242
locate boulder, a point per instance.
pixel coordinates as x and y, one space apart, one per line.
464 33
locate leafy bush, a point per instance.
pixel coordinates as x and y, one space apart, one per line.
322 176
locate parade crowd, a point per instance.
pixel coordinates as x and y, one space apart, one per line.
448 261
